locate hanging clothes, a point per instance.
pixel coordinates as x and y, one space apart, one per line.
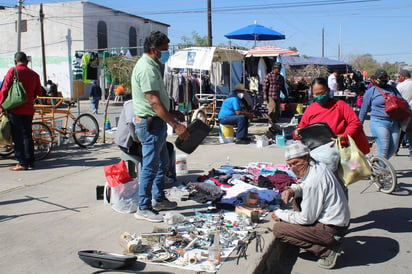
262 70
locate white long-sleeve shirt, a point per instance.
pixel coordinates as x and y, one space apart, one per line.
323 199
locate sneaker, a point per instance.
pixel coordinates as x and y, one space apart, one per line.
148 215
165 204
329 261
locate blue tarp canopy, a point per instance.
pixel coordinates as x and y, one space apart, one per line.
299 62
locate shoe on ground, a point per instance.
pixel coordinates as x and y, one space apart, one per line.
165 204
242 141
148 215
329 261
18 168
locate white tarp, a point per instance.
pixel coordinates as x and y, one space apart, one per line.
202 57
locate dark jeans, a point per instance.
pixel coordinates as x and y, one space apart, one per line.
241 121
21 131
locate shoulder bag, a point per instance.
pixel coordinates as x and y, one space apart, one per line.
396 107
17 94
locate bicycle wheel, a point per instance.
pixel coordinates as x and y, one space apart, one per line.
85 130
42 139
383 174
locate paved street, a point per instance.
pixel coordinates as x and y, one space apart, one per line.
50 213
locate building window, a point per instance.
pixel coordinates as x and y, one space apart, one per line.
101 35
133 41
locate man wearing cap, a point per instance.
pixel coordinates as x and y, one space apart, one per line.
405 88
382 126
95 96
231 113
273 84
320 218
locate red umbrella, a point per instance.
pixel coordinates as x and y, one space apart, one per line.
266 51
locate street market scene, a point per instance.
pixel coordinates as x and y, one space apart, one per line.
123 150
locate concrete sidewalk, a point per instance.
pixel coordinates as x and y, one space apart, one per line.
50 213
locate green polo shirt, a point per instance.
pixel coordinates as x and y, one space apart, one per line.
147 77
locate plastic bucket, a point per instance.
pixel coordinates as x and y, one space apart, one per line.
181 164
226 134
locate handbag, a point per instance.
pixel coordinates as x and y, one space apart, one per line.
315 135
5 129
396 107
353 165
16 95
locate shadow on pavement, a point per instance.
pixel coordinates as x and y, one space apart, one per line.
394 220
365 250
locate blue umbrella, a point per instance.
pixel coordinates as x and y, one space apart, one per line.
255 33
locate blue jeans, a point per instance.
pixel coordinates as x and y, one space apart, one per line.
155 161
95 104
387 135
241 121
21 131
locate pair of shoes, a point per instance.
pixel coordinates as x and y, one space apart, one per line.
148 215
243 141
329 261
165 204
18 168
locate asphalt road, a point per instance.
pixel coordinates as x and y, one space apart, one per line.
50 213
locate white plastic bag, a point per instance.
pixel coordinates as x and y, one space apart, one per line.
124 197
327 154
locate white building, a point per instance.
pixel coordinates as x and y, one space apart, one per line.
70 27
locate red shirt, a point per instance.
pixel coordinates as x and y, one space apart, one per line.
31 82
341 119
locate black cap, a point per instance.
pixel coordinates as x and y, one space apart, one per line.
405 72
381 73
277 65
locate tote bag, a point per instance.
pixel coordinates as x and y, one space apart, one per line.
17 94
353 165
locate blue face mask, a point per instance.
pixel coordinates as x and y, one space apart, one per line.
164 56
323 99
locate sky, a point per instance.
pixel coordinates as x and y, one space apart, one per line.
381 28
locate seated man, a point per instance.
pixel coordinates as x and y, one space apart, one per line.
231 114
320 218
128 142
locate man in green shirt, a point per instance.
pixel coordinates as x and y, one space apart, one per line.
151 105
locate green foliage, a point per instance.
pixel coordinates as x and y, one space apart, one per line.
365 62
195 41
120 69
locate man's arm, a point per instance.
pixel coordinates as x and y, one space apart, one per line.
154 100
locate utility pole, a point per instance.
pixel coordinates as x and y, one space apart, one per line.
323 41
340 42
41 16
209 23
19 6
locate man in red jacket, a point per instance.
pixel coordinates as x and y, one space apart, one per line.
21 117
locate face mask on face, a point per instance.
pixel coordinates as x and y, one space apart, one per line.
164 56
240 95
323 99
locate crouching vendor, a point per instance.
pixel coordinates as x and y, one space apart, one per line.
319 219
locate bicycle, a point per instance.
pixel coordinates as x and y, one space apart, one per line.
42 138
383 174
85 128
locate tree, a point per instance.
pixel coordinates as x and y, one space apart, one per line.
195 41
365 62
